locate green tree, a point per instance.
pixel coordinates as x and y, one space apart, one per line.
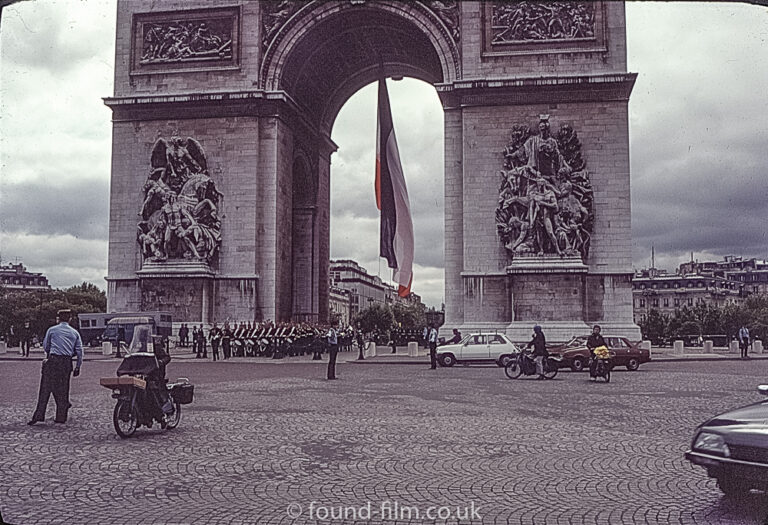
409 316
377 317
654 326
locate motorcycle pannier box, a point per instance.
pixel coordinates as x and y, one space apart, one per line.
183 393
117 382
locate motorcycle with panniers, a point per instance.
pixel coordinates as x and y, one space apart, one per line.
143 394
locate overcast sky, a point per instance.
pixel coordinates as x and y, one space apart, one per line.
698 142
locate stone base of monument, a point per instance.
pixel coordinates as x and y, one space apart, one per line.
190 290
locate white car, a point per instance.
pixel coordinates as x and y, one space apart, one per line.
478 348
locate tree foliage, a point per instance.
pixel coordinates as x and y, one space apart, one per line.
376 318
705 319
39 307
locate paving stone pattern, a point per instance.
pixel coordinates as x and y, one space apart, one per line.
261 442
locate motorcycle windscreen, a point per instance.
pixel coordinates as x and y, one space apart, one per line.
142 339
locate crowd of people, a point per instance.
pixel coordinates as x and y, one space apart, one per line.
263 339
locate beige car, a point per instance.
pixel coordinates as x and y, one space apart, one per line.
479 348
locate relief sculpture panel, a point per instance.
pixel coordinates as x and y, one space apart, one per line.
538 21
179 210
545 196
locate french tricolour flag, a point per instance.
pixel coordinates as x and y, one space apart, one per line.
396 228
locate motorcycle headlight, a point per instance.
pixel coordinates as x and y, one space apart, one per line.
709 442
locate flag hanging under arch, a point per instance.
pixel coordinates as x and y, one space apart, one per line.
396 226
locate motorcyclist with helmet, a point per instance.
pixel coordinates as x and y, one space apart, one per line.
539 344
593 341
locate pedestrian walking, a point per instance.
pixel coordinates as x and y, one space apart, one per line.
26 339
120 340
333 349
432 341
744 341
61 343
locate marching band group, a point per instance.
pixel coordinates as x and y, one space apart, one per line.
264 339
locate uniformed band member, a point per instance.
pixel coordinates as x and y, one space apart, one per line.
333 348
215 335
61 343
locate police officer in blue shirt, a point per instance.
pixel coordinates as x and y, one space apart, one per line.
61 344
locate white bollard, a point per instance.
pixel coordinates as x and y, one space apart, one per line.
708 346
757 347
3 347
733 347
413 349
371 350
645 345
678 347
106 348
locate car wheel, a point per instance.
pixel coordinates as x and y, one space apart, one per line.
503 360
577 365
447 360
732 488
633 364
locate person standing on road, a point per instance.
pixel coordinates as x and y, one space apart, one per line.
744 341
539 344
202 345
593 341
26 339
432 341
61 343
215 335
333 348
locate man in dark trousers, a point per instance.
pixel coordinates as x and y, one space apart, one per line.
432 342
593 341
61 343
26 339
333 349
215 335
202 345
539 344
744 341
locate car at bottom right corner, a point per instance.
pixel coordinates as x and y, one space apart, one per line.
733 448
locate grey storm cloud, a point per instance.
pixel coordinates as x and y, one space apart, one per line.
697 141
78 208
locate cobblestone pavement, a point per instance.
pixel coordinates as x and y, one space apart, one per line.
277 444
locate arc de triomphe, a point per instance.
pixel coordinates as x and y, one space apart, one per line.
222 115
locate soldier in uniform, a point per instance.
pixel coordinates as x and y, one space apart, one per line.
215 335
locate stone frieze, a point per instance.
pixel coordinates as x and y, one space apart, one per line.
179 215
525 21
545 195
186 40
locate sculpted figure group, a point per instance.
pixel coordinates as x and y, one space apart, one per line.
545 197
524 20
179 212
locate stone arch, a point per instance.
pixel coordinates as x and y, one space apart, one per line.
329 50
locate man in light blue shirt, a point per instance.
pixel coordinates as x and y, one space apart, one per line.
61 344
744 341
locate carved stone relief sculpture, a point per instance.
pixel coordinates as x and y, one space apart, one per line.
448 12
179 211
274 15
545 196
186 40
514 22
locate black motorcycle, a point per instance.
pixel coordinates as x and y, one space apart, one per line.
141 395
602 368
524 364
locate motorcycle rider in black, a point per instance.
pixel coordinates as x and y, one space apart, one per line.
593 341
539 344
